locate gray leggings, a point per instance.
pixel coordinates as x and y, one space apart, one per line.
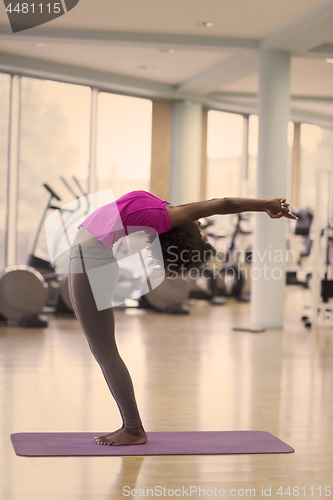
93 276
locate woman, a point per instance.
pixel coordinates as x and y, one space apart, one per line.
94 271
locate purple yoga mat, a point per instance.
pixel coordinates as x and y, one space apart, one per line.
76 444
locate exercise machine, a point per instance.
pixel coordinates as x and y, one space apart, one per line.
169 297
58 300
322 275
23 294
133 291
223 277
56 275
24 290
302 229
28 290
202 288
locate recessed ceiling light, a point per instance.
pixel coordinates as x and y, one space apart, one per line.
329 60
169 51
37 44
146 67
205 24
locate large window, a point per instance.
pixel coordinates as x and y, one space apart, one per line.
232 154
56 130
253 156
123 143
54 142
4 129
316 153
224 158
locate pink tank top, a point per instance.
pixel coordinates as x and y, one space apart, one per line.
134 211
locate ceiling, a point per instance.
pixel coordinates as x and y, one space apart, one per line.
155 48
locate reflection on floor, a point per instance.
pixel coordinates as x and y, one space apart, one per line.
190 373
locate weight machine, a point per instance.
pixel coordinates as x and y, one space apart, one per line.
322 276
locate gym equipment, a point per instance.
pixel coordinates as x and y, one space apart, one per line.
322 276
27 290
302 228
230 281
23 289
223 278
327 282
39 264
56 282
170 296
58 300
202 288
23 294
66 444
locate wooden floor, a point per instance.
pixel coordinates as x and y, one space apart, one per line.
190 373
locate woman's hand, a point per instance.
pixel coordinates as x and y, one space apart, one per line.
278 207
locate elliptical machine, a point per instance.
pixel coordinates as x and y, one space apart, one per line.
28 290
223 278
23 288
58 300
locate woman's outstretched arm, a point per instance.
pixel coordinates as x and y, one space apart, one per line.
190 212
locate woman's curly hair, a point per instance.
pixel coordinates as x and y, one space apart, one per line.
183 248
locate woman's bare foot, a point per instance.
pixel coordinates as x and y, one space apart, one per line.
111 435
123 436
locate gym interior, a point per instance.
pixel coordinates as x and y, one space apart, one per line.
189 101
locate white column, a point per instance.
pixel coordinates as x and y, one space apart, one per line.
92 178
186 144
244 178
268 268
13 157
